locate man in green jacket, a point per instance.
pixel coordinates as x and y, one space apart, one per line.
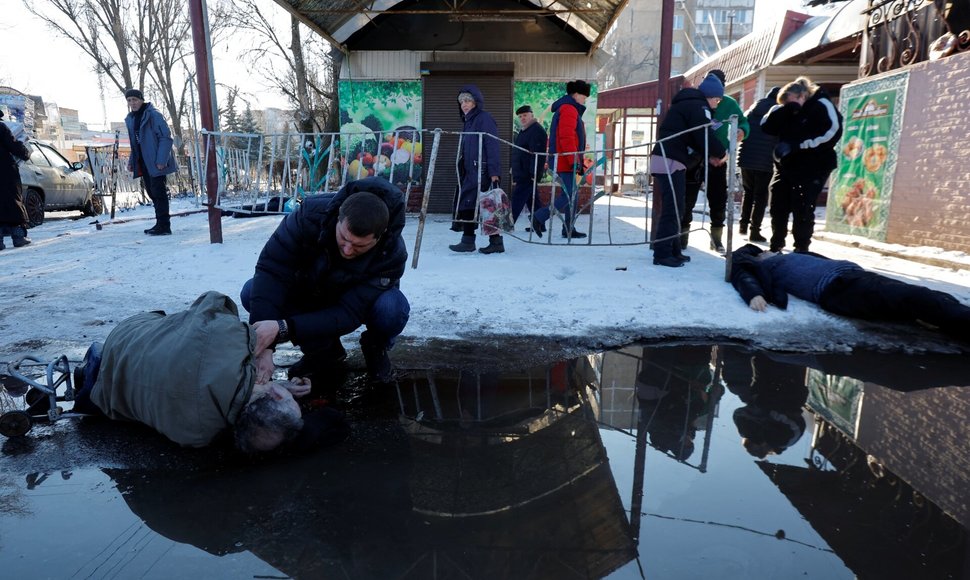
717 176
190 376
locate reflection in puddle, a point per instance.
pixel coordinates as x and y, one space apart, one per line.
669 462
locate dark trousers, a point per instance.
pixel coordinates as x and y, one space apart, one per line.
871 296
716 196
385 321
158 193
565 202
793 197
755 200
667 239
524 195
90 367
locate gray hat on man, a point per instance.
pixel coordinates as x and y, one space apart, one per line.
134 93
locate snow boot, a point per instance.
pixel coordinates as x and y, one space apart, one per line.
19 235
743 228
756 236
684 237
379 368
717 232
495 245
467 244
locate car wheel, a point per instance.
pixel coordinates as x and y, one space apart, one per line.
34 203
94 206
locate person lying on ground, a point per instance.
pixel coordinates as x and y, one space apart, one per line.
191 376
842 287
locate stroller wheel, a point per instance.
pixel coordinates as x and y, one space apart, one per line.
15 423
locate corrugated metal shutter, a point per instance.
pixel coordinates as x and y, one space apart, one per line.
441 111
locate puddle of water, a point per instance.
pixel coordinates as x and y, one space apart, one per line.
663 462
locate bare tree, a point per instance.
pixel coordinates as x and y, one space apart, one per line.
169 52
635 53
307 77
130 42
113 33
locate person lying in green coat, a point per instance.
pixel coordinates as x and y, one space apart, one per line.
190 376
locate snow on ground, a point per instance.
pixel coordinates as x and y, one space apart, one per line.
75 282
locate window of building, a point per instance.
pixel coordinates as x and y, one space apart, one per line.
678 50
678 21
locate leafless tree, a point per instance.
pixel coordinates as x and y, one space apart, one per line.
308 64
113 33
133 43
634 59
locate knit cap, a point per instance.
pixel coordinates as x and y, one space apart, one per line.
711 87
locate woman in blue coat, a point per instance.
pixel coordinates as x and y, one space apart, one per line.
475 174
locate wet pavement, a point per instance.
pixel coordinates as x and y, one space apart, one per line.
688 461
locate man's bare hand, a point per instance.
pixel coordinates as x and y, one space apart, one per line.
716 161
758 303
266 333
264 367
297 386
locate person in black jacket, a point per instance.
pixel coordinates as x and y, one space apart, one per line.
13 215
690 108
808 128
532 139
841 287
331 266
755 161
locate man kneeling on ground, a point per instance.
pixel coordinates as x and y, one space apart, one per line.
842 287
332 265
190 376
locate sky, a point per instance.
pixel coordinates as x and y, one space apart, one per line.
80 281
60 72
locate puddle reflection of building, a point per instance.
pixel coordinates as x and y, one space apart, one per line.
887 481
511 476
501 478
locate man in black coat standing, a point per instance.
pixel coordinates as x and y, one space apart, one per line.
532 138
690 109
13 215
331 266
755 160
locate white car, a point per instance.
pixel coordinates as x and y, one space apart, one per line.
52 183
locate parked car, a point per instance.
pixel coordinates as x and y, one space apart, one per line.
52 183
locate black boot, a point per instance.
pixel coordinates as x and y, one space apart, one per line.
495 245
20 238
756 236
684 236
574 234
537 226
159 231
378 363
742 228
326 362
716 233
467 244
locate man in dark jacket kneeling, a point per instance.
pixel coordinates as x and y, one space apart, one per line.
331 266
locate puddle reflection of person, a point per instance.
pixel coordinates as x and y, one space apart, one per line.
771 420
672 391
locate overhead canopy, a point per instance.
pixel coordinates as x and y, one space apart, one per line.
481 25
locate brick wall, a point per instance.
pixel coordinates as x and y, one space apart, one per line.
931 194
921 437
